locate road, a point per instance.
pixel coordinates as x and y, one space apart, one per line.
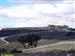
3 39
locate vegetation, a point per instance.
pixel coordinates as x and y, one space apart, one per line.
31 39
47 53
42 42
51 53
19 45
54 52
15 31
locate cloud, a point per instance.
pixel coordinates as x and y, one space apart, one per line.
32 0
38 15
19 12
41 1
32 11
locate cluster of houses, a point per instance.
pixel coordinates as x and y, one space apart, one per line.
57 28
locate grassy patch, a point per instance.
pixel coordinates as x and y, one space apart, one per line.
46 41
63 47
47 48
12 45
42 42
19 45
7 55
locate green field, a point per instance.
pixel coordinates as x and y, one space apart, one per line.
7 55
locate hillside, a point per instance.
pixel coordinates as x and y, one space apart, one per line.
15 31
45 35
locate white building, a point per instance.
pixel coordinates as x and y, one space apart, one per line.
57 28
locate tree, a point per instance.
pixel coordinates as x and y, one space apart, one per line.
22 40
31 39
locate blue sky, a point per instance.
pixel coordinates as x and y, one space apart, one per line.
39 13
7 3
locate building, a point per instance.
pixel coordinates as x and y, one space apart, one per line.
57 28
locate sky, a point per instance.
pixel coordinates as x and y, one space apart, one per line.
36 13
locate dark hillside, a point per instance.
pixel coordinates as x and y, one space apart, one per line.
46 35
9 32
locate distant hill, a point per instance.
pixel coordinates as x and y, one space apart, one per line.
46 35
15 31
71 29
